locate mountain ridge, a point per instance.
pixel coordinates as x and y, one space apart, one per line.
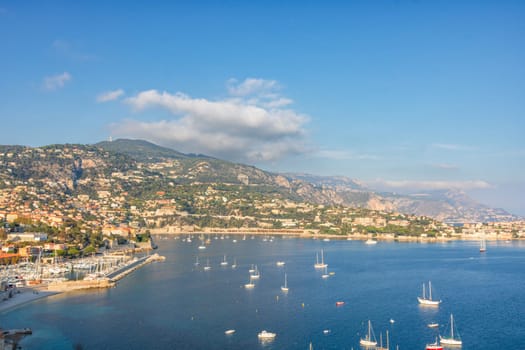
124 155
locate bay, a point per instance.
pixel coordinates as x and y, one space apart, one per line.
177 305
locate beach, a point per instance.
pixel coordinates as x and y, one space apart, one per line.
23 296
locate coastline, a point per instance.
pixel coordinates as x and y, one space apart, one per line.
308 234
26 296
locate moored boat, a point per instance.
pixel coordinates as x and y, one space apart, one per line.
369 340
428 301
265 335
453 339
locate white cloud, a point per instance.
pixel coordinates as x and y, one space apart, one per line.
56 81
430 185
110 95
240 128
251 86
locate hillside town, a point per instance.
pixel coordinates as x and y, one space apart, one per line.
76 200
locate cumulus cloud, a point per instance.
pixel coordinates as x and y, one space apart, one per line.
431 185
241 127
110 95
56 81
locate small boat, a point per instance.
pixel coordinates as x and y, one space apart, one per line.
369 340
370 241
229 331
320 265
280 263
234 265
433 325
207 267
256 274
285 287
202 247
452 340
434 346
392 321
196 261
325 274
326 240
482 246
428 301
224 262
250 284
331 273
339 303
264 335
252 269
326 331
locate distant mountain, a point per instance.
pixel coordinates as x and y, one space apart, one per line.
448 206
56 163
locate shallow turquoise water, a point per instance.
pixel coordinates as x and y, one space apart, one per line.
175 305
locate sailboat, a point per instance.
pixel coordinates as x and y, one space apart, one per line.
255 274
234 265
325 273
428 301
380 347
370 339
320 265
196 261
224 262
455 341
285 287
482 246
250 284
207 267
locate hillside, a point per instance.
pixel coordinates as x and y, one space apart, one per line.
123 164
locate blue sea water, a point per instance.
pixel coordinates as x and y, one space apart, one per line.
177 305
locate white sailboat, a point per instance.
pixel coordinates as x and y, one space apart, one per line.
234 265
250 284
224 262
256 274
454 339
196 261
370 339
325 273
320 265
428 301
285 287
482 246
207 267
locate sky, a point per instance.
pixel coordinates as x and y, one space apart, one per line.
404 96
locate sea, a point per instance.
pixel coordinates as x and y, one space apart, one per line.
177 304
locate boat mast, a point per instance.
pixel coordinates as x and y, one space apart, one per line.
451 326
429 290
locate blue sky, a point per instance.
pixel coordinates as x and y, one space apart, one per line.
403 95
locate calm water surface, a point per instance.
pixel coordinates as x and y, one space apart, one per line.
176 305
